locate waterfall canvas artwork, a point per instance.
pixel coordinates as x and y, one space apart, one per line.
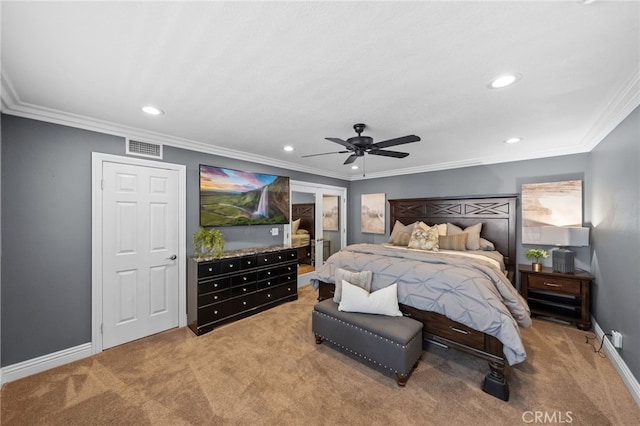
232 197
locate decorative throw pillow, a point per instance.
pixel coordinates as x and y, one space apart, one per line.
486 245
401 234
424 237
361 279
294 226
473 239
442 229
381 302
453 242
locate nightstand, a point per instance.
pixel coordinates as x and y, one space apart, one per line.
558 295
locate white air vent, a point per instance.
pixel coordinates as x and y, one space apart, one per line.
144 149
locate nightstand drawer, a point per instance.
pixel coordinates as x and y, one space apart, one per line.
542 282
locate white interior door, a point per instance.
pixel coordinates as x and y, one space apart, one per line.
140 240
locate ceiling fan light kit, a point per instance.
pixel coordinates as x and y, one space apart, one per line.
360 145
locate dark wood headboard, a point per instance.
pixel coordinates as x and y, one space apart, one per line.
498 215
307 214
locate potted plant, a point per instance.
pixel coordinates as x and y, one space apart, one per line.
535 255
208 244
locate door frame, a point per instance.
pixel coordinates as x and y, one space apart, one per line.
319 190
98 159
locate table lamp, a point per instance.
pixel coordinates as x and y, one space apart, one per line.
562 258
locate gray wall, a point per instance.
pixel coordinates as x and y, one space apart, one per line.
46 230
615 171
505 178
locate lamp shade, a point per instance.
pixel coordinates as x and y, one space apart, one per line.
564 236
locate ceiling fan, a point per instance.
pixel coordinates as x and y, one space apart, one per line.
360 145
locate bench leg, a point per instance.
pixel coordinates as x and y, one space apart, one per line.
402 379
318 339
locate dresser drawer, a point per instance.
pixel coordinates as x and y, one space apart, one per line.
292 254
542 282
243 289
243 278
230 265
215 297
208 269
285 290
244 303
288 269
269 273
248 262
215 312
269 283
215 284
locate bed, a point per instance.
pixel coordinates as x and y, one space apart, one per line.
485 322
302 230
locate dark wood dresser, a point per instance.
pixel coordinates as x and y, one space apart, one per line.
239 284
563 296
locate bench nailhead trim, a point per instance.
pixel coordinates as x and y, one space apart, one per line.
367 332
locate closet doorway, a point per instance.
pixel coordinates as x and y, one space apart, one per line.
322 210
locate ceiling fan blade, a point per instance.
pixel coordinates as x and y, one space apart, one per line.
384 153
397 141
346 144
351 159
325 153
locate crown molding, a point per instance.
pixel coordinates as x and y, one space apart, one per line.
13 105
625 101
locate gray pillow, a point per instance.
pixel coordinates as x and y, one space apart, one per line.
486 245
473 239
401 234
453 242
361 279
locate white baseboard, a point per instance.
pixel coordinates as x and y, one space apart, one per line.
43 363
627 376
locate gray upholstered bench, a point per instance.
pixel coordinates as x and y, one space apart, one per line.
393 344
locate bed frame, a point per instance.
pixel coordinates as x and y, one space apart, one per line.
498 217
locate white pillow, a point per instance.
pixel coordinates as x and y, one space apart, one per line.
381 302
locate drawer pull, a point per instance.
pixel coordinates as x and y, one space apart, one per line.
552 284
457 330
248 262
215 297
215 285
244 303
215 312
244 278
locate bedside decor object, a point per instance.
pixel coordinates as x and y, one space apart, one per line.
208 244
564 237
535 255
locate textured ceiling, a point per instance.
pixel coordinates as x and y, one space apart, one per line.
243 79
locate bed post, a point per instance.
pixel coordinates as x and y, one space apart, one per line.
495 382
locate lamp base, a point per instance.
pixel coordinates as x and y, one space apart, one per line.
562 260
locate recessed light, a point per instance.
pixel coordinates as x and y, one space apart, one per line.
288 148
151 110
512 140
355 167
504 80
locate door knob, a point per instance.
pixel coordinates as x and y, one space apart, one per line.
173 257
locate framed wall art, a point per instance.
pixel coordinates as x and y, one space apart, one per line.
372 215
550 204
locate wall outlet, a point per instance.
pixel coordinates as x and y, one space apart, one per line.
616 339
274 231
